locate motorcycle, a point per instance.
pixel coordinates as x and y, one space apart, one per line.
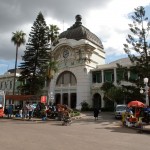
66 120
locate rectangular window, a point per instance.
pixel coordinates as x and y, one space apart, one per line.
96 77
108 76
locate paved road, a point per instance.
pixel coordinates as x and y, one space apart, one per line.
82 134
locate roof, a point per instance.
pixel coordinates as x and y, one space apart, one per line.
125 62
78 32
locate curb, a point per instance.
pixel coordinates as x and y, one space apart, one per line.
40 119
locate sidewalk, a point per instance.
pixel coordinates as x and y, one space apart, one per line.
40 119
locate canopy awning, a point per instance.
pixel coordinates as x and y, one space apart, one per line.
22 97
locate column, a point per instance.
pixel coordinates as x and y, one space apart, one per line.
128 74
69 96
115 76
102 71
102 101
61 95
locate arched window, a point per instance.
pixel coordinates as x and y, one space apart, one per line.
66 78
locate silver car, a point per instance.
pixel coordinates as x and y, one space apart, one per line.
119 110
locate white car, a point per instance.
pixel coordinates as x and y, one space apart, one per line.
119 110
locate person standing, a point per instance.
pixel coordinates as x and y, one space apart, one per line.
20 113
30 111
10 110
25 111
96 113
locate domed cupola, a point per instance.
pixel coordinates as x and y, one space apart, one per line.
78 32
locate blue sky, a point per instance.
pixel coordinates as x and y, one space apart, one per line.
108 19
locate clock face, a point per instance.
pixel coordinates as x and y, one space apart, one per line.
65 53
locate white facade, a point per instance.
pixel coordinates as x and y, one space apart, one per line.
79 53
78 58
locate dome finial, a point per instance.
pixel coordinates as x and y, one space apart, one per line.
78 18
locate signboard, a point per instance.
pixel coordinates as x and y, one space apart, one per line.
43 99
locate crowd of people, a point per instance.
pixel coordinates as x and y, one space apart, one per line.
25 111
41 110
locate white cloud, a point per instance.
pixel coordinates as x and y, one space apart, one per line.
107 19
111 23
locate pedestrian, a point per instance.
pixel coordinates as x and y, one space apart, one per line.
46 109
10 110
20 112
25 111
30 109
96 112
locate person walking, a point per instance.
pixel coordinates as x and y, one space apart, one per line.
96 113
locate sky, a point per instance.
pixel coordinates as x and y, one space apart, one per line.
108 19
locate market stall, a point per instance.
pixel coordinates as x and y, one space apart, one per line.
133 116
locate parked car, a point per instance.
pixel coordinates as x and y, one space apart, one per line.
119 110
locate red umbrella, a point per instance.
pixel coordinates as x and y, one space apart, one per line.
136 104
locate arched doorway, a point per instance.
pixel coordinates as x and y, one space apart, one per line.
67 82
97 100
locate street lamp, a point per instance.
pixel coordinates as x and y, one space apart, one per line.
146 88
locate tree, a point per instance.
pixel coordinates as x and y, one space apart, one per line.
53 32
138 47
116 94
106 86
138 50
35 58
113 93
18 39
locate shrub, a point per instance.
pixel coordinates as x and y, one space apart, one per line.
75 113
85 106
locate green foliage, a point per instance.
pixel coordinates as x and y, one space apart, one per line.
109 105
75 113
106 86
53 32
137 47
115 94
35 58
112 93
85 106
18 39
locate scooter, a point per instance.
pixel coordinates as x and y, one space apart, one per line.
66 121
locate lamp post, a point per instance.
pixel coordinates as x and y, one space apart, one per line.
146 88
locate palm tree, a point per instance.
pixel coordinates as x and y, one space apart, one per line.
18 39
52 69
53 32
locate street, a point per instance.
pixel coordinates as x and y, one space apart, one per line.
83 134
